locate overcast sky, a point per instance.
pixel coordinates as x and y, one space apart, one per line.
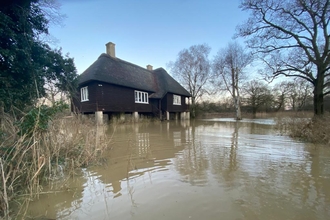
144 31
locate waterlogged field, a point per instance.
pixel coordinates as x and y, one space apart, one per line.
205 169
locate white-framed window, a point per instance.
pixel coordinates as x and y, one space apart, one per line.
84 93
176 100
141 97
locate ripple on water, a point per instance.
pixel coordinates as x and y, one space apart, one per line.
209 169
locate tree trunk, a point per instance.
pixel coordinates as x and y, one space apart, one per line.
238 108
193 107
254 111
254 106
318 94
281 103
237 98
318 101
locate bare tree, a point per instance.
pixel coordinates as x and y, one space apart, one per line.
292 37
229 65
280 92
300 91
258 96
192 70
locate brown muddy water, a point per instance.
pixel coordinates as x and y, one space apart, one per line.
205 169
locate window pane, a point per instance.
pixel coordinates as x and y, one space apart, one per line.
141 97
84 93
176 100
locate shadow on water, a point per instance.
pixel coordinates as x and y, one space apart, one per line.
196 170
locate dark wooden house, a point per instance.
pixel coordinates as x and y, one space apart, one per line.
111 85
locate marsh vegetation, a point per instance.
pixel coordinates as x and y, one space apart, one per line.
38 151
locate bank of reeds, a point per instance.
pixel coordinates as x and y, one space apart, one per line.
29 160
309 129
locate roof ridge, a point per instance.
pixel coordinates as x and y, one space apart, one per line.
159 68
124 61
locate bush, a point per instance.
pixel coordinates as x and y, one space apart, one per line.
38 118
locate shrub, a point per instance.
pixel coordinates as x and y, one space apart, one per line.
38 118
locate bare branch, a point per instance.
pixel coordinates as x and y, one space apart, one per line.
192 69
296 34
229 65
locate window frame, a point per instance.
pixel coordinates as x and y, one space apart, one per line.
141 97
176 99
84 94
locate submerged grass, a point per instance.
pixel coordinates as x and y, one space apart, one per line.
30 160
309 129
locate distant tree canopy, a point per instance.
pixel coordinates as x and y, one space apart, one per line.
27 64
293 39
258 96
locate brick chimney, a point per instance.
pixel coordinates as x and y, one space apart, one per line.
149 67
111 50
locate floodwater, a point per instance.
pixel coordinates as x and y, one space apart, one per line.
204 169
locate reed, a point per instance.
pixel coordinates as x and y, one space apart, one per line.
38 157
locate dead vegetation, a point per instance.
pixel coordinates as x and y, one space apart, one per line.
32 159
309 129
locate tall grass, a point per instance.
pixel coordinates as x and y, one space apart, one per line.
29 160
309 129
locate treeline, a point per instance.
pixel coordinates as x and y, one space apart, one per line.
258 96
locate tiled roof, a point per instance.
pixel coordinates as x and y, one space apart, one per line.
119 72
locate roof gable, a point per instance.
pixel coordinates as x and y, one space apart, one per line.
166 84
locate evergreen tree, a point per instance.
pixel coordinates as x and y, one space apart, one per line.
27 63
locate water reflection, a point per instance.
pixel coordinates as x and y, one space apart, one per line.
200 169
232 165
192 163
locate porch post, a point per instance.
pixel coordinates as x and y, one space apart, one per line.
167 116
122 116
99 117
136 116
